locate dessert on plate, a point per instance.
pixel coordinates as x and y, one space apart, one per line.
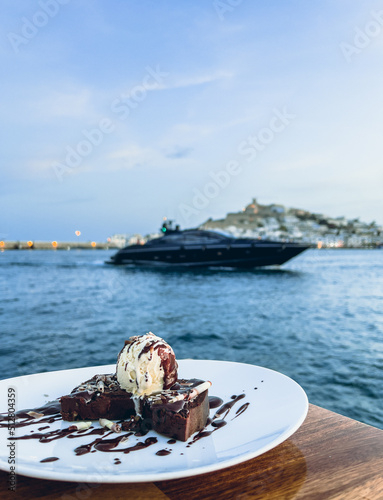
145 392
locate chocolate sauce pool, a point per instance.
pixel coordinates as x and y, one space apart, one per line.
163 453
50 413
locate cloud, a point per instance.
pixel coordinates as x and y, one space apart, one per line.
163 81
135 156
178 82
179 152
192 81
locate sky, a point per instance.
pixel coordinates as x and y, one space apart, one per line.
118 113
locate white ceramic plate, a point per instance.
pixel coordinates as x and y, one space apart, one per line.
278 406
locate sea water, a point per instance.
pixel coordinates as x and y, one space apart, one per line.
317 319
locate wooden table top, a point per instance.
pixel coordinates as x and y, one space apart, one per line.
330 457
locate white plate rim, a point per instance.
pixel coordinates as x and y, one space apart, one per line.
41 473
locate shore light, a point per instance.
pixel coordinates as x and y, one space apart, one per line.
320 244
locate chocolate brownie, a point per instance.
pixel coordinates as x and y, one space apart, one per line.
177 412
180 419
99 397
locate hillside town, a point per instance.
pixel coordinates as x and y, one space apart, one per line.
277 222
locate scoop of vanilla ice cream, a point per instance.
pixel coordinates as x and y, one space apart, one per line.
146 365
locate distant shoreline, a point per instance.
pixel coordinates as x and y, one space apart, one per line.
55 245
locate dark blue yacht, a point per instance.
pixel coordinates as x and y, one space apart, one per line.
201 248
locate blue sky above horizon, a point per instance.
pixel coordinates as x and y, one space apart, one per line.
115 114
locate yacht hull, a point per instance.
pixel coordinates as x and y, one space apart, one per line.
244 255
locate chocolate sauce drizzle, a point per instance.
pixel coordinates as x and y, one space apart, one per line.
214 402
51 413
226 407
101 431
218 421
46 437
241 410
